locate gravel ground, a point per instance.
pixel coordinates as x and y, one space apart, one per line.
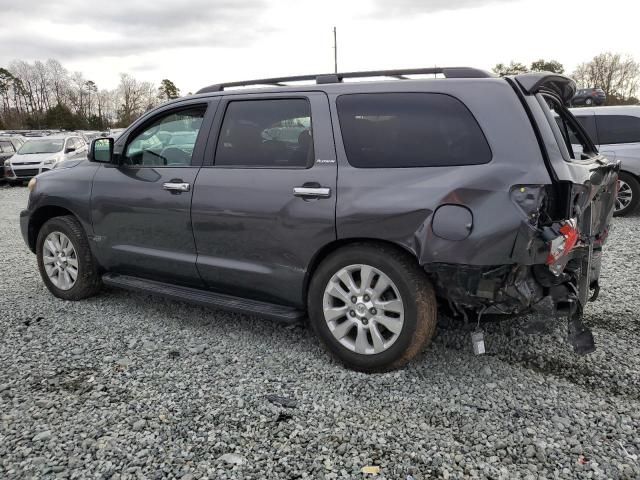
130 386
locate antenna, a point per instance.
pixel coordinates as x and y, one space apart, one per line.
335 51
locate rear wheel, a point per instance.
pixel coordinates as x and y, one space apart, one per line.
372 306
66 264
628 194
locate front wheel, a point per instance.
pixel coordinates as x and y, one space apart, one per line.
372 306
628 194
66 264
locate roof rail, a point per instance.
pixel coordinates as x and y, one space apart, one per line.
448 72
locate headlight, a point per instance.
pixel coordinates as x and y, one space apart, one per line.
32 184
50 161
7 163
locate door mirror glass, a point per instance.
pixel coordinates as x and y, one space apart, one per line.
101 150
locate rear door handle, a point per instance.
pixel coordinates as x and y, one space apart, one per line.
312 192
176 186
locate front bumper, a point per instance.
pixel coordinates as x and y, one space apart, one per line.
25 218
24 172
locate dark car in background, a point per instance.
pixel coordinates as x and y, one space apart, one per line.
365 206
589 96
9 145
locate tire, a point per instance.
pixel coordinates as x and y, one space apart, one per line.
628 194
408 282
87 282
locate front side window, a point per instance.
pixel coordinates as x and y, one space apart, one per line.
614 129
167 142
266 133
403 130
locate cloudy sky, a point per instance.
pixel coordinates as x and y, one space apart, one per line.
198 42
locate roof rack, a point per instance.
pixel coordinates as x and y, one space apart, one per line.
448 72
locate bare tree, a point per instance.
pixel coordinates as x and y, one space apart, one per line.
514 68
618 76
59 80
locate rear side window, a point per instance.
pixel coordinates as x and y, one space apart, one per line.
266 134
618 129
403 130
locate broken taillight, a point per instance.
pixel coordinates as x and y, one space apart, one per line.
563 243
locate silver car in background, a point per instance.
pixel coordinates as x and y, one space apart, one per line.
616 132
40 154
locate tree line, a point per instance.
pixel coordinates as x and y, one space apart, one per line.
46 95
616 74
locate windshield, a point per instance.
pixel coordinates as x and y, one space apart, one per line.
41 146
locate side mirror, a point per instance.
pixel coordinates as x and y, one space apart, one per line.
101 150
69 150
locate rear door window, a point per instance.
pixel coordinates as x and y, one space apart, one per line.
614 129
267 133
403 130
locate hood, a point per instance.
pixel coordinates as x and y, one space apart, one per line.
32 158
70 163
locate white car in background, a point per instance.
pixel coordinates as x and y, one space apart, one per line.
616 132
39 154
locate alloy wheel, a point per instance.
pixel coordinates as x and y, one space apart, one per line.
624 197
60 260
363 309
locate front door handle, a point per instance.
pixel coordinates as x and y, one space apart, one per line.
176 186
312 192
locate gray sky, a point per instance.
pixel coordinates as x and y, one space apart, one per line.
199 42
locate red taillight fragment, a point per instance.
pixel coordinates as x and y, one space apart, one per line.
563 243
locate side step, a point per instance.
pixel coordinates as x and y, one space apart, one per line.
206 298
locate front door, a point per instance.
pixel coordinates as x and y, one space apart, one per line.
141 206
264 202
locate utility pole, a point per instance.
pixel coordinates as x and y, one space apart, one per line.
335 51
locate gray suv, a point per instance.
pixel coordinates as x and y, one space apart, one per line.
365 206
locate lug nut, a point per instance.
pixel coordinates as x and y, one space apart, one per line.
352 313
365 321
373 311
366 298
354 299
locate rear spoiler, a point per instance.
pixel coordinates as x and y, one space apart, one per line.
532 83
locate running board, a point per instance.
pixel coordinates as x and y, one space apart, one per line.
206 298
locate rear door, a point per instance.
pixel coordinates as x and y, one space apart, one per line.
141 206
264 202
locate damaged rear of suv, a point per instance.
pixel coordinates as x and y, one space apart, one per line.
564 221
364 205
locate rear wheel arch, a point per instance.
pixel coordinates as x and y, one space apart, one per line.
328 249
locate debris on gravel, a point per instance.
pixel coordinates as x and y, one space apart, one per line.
124 385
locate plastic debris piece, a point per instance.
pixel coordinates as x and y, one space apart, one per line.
371 469
477 338
582 460
282 401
